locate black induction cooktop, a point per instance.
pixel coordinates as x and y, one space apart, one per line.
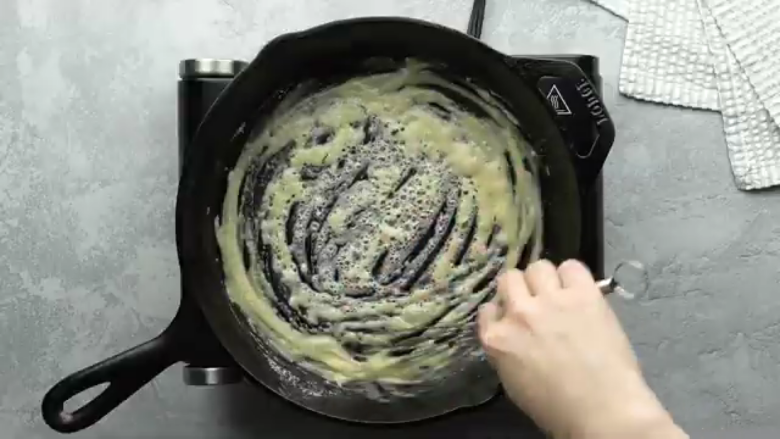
267 415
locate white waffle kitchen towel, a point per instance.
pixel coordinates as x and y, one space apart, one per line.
717 55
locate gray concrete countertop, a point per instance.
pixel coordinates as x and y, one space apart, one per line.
87 186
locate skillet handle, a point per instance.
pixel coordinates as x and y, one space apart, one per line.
578 109
124 373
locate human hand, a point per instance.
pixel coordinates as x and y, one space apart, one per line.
564 359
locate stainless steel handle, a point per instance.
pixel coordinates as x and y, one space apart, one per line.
607 285
210 68
629 280
211 376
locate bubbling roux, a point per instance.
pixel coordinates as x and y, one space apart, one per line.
367 221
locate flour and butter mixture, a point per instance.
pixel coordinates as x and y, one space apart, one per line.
367 221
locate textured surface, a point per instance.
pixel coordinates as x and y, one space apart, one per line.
711 54
87 184
752 136
666 58
752 31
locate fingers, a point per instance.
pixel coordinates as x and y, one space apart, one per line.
516 289
513 290
489 328
488 313
573 273
542 277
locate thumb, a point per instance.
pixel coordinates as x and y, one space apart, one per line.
489 325
487 317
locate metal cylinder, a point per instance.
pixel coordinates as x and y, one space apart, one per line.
211 376
200 83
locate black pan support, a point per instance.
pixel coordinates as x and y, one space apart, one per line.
578 108
579 113
580 131
574 98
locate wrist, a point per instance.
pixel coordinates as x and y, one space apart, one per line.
639 424
637 415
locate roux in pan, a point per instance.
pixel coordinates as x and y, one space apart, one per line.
364 225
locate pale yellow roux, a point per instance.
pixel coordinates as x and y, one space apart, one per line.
472 148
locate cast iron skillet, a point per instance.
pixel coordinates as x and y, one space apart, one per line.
331 49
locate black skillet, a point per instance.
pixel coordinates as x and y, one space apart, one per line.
336 49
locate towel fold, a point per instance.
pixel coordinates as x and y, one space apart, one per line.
617 7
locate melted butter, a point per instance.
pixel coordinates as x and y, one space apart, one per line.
399 168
